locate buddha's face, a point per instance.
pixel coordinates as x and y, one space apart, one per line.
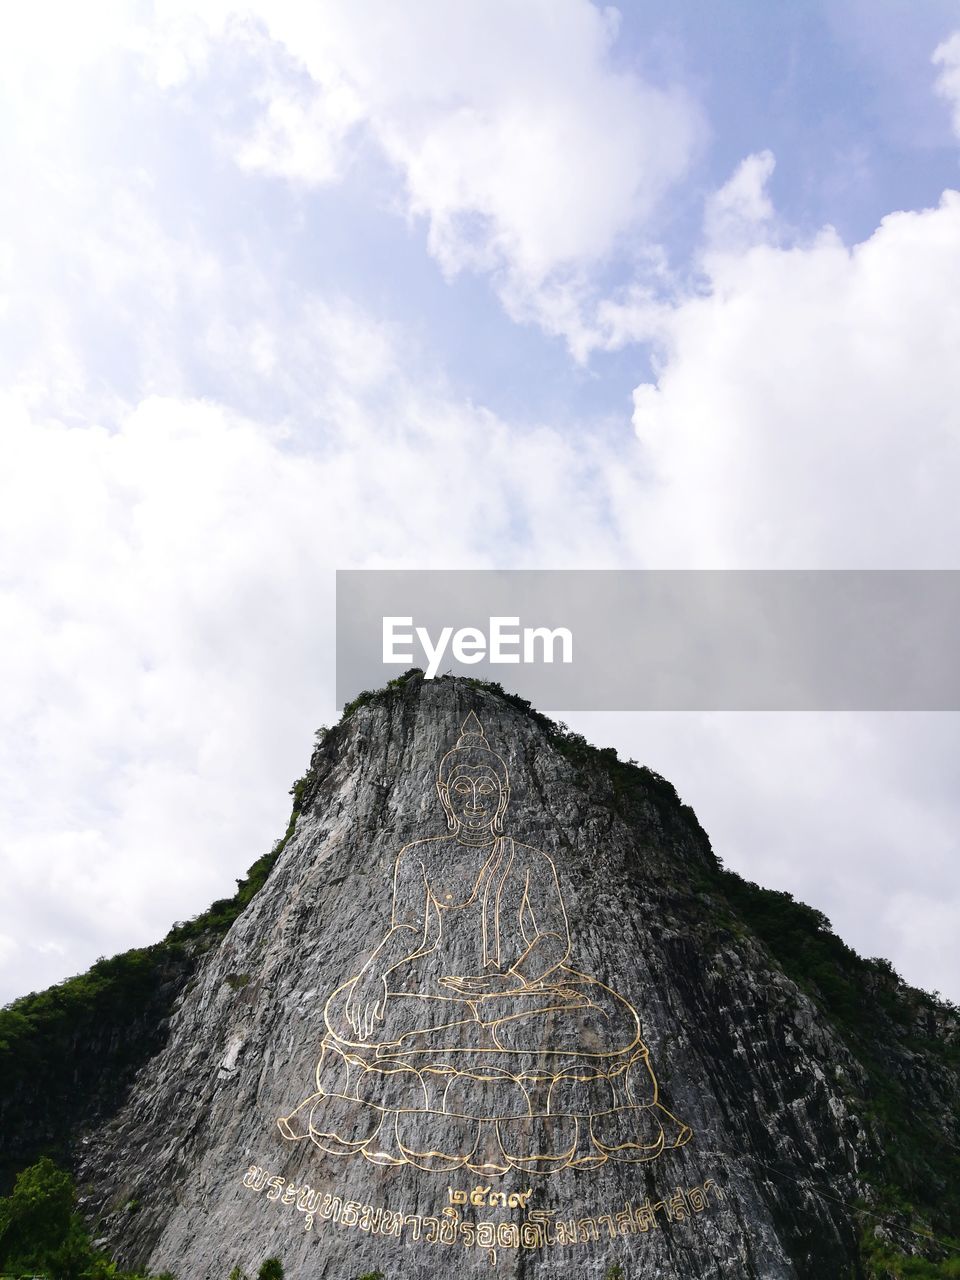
473 795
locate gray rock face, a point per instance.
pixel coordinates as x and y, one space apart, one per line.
487 1028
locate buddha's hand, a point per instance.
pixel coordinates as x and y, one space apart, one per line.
485 984
366 1004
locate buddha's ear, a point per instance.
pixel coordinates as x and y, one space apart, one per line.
497 824
444 793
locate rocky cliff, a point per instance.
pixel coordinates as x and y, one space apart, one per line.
498 1008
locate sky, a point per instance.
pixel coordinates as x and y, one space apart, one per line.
288 287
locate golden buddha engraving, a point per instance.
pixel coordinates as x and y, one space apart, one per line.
467 1040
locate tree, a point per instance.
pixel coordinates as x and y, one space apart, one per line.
74 1257
40 1230
37 1217
272 1269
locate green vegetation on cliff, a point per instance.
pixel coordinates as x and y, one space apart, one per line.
43 1235
41 1231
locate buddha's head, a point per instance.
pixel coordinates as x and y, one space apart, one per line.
473 784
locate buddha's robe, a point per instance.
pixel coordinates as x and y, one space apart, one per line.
509 915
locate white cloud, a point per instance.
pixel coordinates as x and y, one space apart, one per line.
735 214
805 409
167 613
739 215
8 948
167 564
47 46
527 152
805 414
947 84
193 441
295 138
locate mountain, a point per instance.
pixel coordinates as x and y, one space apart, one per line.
494 1004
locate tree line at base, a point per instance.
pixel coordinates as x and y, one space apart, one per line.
43 1235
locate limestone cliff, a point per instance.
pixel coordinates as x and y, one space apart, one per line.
578 1041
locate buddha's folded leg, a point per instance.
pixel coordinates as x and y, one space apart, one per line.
403 1016
587 1154
574 1014
675 1132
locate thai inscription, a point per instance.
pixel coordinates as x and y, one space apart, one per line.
481 1196
541 1229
